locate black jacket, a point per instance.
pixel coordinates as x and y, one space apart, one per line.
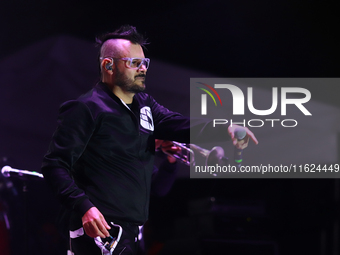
102 152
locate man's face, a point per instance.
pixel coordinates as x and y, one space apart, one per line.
131 80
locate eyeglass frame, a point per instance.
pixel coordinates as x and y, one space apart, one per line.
130 59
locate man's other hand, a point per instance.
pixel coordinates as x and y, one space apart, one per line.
94 224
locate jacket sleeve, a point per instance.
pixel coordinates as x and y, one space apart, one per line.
163 177
173 126
75 128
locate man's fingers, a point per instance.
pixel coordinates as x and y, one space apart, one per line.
95 224
92 230
231 130
252 136
102 228
107 226
243 143
96 228
231 133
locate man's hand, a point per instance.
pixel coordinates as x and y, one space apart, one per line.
168 147
94 224
244 142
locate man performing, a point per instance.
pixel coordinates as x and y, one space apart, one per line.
100 160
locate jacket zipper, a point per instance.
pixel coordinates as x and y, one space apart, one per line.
145 182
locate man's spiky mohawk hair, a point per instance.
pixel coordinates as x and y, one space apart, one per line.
126 32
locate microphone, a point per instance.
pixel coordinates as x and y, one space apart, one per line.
7 170
239 134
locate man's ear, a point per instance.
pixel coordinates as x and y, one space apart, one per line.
107 64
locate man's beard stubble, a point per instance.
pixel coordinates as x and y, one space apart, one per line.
129 84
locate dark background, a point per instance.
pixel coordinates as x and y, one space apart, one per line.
225 39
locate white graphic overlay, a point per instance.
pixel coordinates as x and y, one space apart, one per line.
146 120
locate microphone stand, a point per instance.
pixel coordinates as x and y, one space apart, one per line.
23 175
7 170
